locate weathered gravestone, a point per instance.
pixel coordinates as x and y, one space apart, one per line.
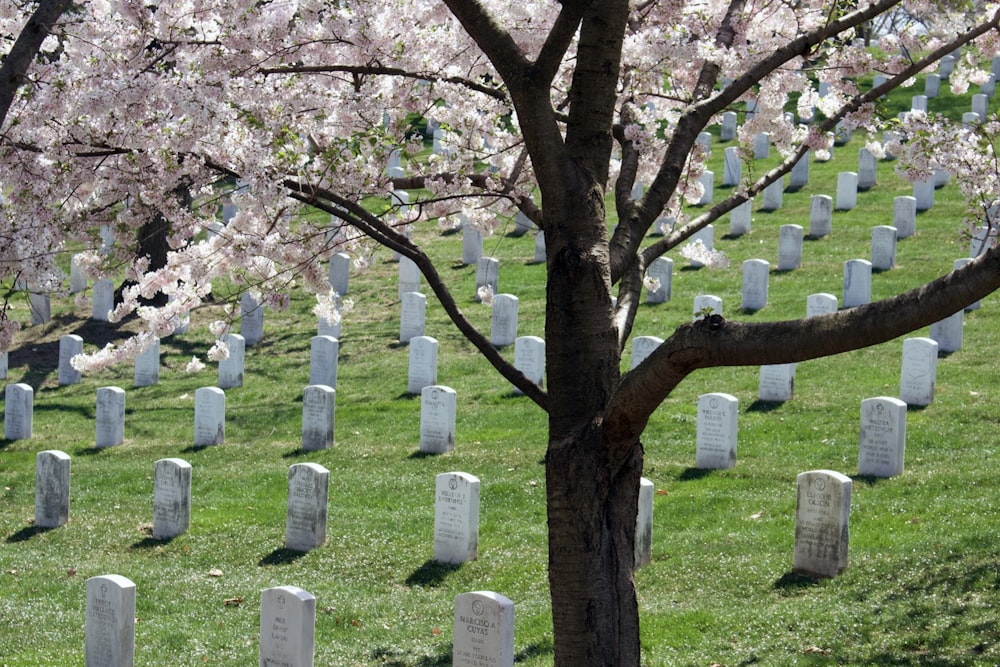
789 247
715 443
522 224
209 416
883 247
661 270
923 193
456 517
323 360
251 319
319 405
642 347
529 358
932 85
732 170
305 519
773 194
231 368
503 325
740 219
777 382
422 368
409 276
847 190
3 365
857 282
147 365
867 169
77 281
472 244
412 317
728 131
904 216
820 303
918 376
483 630
882 445
104 300
40 305
487 275
51 488
948 332
644 524
755 282
110 624
822 514
706 305
171 498
340 272
437 419
70 345
18 407
287 627
799 176
110 417
820 215
707 180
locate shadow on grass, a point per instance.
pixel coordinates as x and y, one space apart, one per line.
407 396
868 480
89 450
417 455
691 474
388 657
281 556
909 408
298 453
535 650
26 534
792 581
152 542
193 449
431 574
764 406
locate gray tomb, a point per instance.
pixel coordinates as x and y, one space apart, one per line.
522 224
104 300
171 498
923 193
487 275
231 368
18 407
799 176
761 146
820 303
110 421
740 218
209 416
503 324
251 319
857 282
918 103
755 282
715 444
644 524
147 365
472 244
305 520
319 406
413 316
529 358
110 624
707 180
882 445
437 419
642 347
789 247
918 375
540 256
733 167
77 281
483 630
323 360
932 85
822 514
847 190
409 276
70 345
662 269
287 627
980 105
3 365
776 383
820 215
883 247
422 367
773 196
904 216
456 517
728 131
705 141
340 271
51 488
948 332
867 169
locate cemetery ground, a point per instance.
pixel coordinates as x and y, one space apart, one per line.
923 582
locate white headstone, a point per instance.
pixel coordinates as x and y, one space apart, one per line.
409 276
110 624
104 299
644 524
883 247
707 181
394 167
483 630
918 376
287 627
820 303
716 436
251 319
487 274
70 345
729 120
867 169
503 328
323 360
472 244
422 369
948 332
707 236
705 141
51 488
904 216
970 118
18 407
799 176
957 264
662 270
110 421
340 272
980 105
883 437
789 247
437 419
540 256
522 224
412 317
706 304
842 133
923 193
777 382
319 406
822 514
456 517
642 347
983 238
182 321
3 365
941 178
932 85
761 146
773 194
857 282
171 498
305 520
755 281
988 87
147 366
847 190
740 218
231 368
820 215
732 170
529 358
77 281
209 416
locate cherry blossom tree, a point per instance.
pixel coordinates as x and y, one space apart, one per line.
549 109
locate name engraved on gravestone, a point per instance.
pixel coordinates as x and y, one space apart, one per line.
456 517
318 415
642 347
422 369
822 513
209 416
147 365
110 417
644 524
882 445
483 630
503 325
820 303
437 419
777 382
110 622
305 520
715 444
52 480
755 282
883 247
18 407
660 269
171 498
231 368
323 361
70 345
789 247
529 358
251 319
918 375
287 627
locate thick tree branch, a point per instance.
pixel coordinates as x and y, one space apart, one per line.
553 51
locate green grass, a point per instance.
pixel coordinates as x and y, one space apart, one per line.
922 587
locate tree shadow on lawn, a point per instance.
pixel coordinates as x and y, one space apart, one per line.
431 573
393 658
764 406
691 474
281 556
26 534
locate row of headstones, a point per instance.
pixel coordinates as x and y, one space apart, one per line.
483 626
